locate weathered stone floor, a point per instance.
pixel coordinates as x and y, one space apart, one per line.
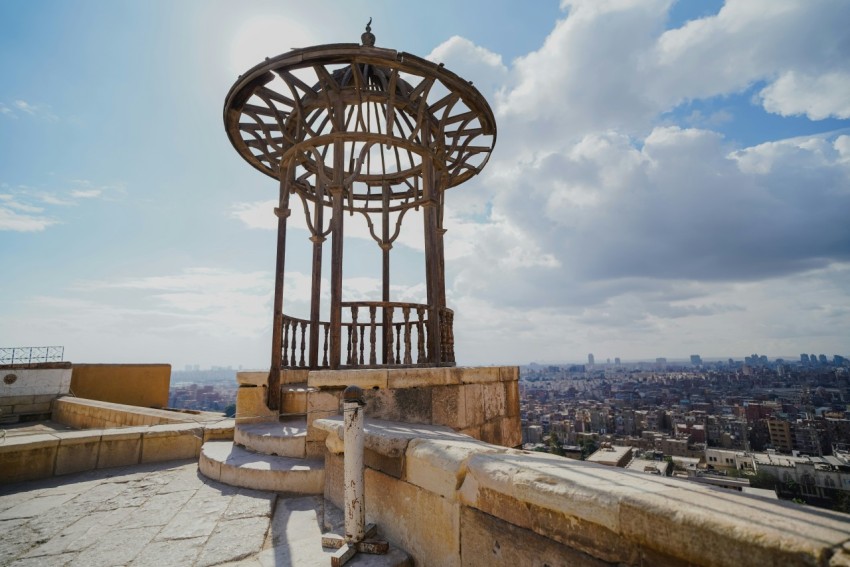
158 514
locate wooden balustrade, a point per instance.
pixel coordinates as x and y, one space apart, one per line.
375 334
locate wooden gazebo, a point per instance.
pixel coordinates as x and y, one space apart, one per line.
357 129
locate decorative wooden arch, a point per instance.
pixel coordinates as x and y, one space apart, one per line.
360 129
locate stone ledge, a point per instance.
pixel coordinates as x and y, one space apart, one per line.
619 516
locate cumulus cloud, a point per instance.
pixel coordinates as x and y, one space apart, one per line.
597 214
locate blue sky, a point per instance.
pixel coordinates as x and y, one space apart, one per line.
669 178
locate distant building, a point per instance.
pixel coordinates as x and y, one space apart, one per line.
590 360
696 360
611 455
617 360
661 363
780 435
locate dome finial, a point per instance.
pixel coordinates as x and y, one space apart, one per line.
368 38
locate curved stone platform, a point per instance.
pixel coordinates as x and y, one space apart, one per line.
227 462
283 438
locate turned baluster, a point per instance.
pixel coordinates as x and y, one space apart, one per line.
372 355
303 341
352 334
362 342
398 332
451 335
348 348
388 340
293 345
285 341
407 358
327 328
420 336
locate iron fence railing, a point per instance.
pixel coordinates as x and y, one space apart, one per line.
31 355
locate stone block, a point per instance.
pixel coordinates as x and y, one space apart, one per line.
476 374
439 465
448 406
78 451
728 528
486 541
321 404
294 376
27 457
293 399
421 522
251 405
368 378
171 442
509 373
511 398
334 478
420 377
409 405
219 430
491 431
252 378
494 400
511 431
473 431
474 399
315 449
393 466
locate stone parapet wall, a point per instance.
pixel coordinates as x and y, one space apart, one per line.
29 392
81 413
34 456
144 385
452 500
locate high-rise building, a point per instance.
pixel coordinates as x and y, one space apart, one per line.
590 359
804 359
617 360
696 360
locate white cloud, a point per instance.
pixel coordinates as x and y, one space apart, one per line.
13 221
21 107
816 96
86 193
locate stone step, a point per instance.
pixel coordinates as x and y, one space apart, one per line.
227 462
285 438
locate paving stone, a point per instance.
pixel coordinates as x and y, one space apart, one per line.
119 548
35 506
159 553
249 503
223 546
47 561
198 518
158 510
16 542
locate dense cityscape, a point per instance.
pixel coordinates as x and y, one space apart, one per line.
752 424
764 424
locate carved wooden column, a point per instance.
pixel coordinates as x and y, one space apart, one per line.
386 245
316 287
282 212
432 259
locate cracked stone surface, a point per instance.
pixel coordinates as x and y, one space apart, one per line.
157 514
162 514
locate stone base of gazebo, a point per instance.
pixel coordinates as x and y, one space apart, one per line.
283 450
482 402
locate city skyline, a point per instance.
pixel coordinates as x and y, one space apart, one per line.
669 178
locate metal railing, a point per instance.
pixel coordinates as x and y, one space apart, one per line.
31 355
